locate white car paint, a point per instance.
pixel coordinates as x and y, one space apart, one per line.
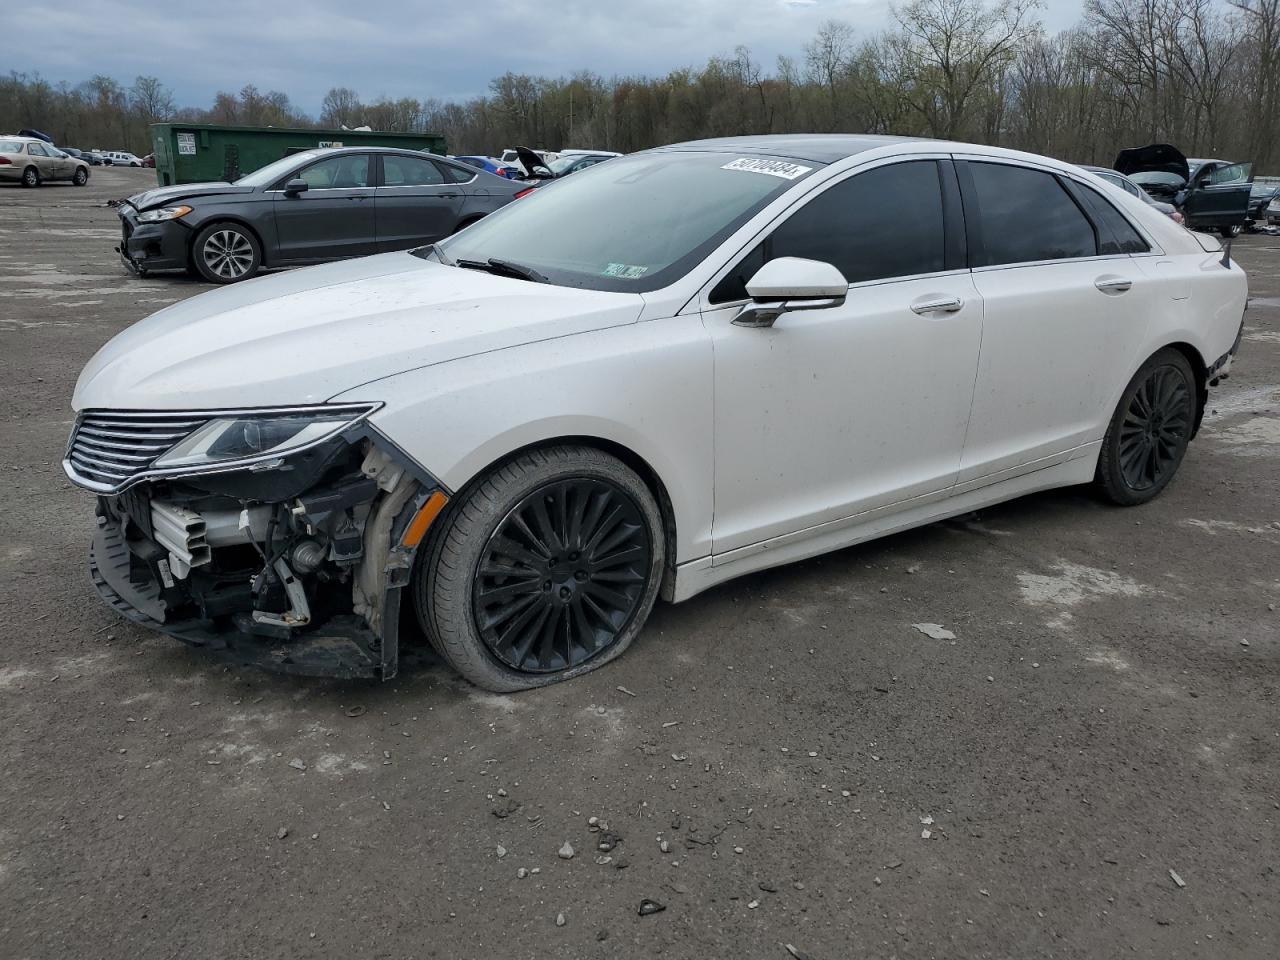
829 428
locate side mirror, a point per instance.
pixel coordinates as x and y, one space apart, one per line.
791 283
296 186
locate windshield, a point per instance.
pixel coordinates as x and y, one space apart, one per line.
274 171
1157 178
564 163
635 223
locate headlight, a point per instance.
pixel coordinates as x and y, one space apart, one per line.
254 438
163 213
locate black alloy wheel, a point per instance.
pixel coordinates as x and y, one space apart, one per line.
1156 428
562 576
1150 430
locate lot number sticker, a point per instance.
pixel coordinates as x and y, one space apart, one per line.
624 271
187 144
774 168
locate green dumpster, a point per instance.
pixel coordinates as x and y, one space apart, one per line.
196 152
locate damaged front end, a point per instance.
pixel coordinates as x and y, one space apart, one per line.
279 538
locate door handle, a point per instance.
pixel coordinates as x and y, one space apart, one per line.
446 196
944 305
1113 284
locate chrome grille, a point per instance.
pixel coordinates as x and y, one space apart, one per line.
109 449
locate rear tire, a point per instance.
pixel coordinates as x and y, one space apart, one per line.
31 177
1149 431
226 253
544 569
1232 231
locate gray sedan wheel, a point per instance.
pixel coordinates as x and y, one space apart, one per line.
226 253
31 177
81 177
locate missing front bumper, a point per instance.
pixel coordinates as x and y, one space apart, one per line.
344 647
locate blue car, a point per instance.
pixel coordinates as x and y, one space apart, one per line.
510 171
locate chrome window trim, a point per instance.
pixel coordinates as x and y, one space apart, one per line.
1101 257
322 189
416 186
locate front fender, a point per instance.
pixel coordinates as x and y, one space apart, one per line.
646 387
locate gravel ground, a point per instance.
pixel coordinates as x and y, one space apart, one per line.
821 773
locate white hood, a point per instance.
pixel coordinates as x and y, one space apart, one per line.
307 335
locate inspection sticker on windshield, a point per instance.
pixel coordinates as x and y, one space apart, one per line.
624 270
774 168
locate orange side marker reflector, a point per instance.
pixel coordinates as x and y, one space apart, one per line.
426 515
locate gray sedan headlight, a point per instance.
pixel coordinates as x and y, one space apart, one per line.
254 438
163 213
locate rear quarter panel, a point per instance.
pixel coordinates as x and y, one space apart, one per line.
1205 306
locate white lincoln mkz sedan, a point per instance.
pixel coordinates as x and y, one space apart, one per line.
671 369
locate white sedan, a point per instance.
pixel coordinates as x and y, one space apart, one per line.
672 369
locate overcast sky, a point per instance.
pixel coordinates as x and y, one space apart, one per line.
445 48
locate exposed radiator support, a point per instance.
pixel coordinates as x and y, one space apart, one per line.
182 532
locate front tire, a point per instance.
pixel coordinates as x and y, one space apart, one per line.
31 177
1232 231
81 177
1149 431
544 569
226 253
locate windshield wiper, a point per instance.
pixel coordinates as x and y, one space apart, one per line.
504 267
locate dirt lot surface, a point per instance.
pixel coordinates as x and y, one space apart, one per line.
790 762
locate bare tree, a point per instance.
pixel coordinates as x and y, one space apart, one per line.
827 58
950 50
151 99
341 108
1261 24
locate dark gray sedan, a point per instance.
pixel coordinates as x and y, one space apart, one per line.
310 207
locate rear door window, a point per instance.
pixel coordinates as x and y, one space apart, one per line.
1026 216
877 225
1115 234
409 172
455 174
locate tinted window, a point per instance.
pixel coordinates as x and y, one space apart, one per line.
471 161
456 174
1026 215
884 223
348 170
1115 234
409 172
